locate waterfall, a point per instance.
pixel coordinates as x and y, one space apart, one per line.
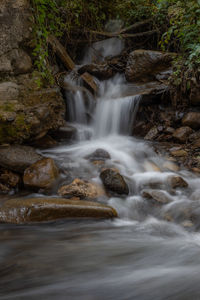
111 113
115 116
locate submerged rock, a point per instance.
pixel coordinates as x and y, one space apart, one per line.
98 155
41 175
17 158
21 211
176 181
114 181
81 188
159 196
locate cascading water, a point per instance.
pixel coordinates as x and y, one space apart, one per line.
139 256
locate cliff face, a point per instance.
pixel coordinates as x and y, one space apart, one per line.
26 111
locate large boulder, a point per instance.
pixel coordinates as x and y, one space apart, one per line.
145 65
15 24
27 112
20 211
114 181
41 175
192 119
82 189
98 155
17 158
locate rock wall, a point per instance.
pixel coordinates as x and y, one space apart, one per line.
26 111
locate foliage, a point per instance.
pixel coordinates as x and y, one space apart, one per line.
183 37
47 21
135 10
178 22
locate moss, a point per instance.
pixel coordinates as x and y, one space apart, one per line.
15 131
10 107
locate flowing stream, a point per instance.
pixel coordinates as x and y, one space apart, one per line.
151 252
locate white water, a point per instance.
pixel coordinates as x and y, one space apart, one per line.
109 128
140 255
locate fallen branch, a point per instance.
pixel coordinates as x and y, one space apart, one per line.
69 64
140 34
135 26
61 52
123 35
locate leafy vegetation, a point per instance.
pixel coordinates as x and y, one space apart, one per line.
183 37
178 22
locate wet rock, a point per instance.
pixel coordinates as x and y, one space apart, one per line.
164 75
192 119
45 142
145 64
152 134
114 181
196 144
176 181
101 71
9 178
98 162
4 189
194 136
179 153
169 130
187 224
171 166
65 132
141 128
159 196
98 155
18 158
82 189
150 166
21 211
182 134
195 170
41 175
